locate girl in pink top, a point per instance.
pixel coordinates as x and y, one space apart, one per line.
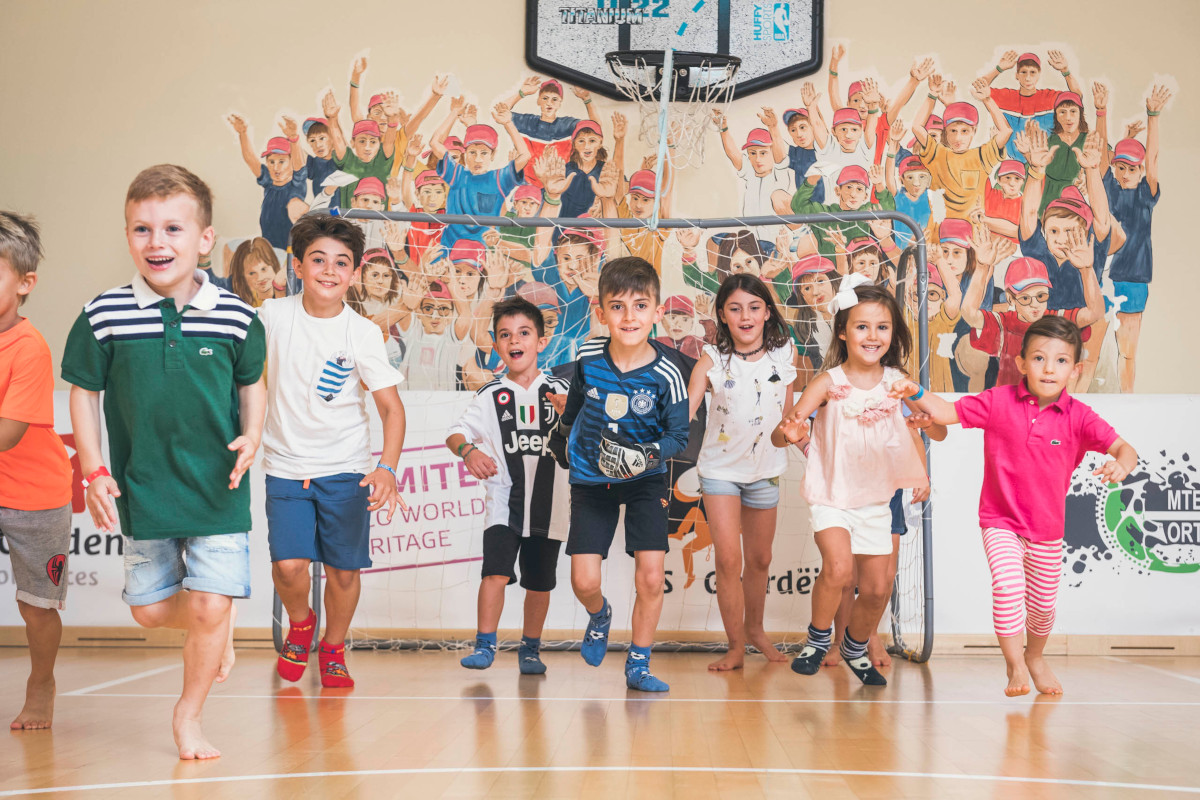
861 453
1034 436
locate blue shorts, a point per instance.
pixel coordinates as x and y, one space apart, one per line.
327 522
899 523
762 494
155 569
1135 295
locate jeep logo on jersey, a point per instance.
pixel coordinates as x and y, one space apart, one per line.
527 444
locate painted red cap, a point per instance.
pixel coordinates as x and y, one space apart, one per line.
278 144
961 112
1129 150
1025 272
481 134
370 186
642 182
759 137
368 126
679 304
847 116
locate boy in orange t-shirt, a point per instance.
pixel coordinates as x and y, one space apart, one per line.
35 473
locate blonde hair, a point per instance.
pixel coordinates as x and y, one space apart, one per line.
167 180
20 244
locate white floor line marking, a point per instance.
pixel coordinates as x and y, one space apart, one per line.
108 684
624 769
1159 670
811 701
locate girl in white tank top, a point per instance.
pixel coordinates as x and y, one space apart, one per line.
749 373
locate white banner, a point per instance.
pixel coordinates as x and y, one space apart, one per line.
1133 563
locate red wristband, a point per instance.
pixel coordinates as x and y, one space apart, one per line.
293 139
100 473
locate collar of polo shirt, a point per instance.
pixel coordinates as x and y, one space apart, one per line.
1023 393
205 298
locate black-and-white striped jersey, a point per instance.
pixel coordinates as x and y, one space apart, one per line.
511 424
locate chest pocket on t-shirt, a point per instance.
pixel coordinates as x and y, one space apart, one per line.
334 374
969 178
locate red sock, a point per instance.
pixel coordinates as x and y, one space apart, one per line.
334 674
294 657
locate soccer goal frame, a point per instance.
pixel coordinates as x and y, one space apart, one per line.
912 606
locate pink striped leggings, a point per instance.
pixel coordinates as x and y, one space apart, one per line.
1025 578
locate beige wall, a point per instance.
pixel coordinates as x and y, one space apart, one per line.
95 90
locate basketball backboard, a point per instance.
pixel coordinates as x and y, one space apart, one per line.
776 40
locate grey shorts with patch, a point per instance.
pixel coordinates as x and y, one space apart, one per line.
38 542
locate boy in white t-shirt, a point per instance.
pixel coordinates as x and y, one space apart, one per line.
322 482
501 438
767 186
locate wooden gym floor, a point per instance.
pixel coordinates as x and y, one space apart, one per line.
418 725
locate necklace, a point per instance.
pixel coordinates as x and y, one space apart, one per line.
753 352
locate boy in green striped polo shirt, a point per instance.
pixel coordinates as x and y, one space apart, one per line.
179 362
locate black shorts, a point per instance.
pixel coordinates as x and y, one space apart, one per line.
596 507
539 557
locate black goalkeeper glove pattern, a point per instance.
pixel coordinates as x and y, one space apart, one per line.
622 459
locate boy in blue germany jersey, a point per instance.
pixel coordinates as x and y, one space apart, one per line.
625 415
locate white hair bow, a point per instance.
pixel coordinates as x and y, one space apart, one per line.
846 297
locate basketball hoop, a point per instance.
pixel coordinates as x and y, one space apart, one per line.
695 82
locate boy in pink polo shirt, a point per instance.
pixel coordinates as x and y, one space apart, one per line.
1034 436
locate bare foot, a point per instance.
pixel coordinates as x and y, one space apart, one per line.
38 713
228 657
1043 679
877 652
1018 681
734 659
763 644
189 738
834 656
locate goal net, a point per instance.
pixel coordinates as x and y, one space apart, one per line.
431 298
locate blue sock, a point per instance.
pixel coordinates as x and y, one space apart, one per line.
528 659
484 653
637 671
595 638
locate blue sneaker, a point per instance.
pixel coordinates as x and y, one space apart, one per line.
528 660
637 672
483 655
595 638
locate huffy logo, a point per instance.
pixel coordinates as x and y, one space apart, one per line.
1151 521
780 17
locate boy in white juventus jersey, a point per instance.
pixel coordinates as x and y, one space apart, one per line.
502 438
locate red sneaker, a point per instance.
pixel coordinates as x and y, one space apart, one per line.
334 674
294 656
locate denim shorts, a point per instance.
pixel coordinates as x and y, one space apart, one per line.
155 569
762 494
328 521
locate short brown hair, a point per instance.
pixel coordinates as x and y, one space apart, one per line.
629 274
167 180
321 226
1053 326
20 244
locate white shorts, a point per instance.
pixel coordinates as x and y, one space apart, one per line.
870 526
